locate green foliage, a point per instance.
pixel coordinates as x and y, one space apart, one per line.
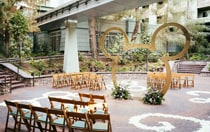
83 68
138 55
153 58
81 57
198 56
40 65
91 64
122 61
135 55
199 43
37 73
46 48
115 44
153 97
121 92
108 68
123 69
99 65
21 43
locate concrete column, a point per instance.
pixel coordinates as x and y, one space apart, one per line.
71 60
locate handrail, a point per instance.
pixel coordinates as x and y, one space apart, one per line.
9 60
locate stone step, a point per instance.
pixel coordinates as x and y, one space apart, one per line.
190 68
11 80
17 85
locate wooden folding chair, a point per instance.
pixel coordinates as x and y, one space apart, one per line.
40 115
86 97
160 80
55 103
12 111
62 80
151 79
56 118
81 106
190 80
26 117
68 104
77 121
96 97
75 81
175 80
100 122
99 82
182 80
67 79
85 79
91 82
96 82
55 80
100 104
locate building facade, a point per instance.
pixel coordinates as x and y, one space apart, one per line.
154 14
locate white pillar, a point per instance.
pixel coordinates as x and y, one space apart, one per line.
152 19
71 60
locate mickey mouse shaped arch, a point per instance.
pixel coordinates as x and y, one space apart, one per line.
121 41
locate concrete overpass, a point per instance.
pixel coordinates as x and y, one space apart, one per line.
81 10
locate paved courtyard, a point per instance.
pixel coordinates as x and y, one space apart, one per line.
184 110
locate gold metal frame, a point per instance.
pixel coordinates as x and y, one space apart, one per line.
151 47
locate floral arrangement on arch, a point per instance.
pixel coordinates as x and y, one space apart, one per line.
121 92
153 96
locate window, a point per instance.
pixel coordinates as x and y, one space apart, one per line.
205 14
55 38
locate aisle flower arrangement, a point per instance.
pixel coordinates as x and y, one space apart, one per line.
121 92
153 96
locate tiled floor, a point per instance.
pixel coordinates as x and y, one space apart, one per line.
184 110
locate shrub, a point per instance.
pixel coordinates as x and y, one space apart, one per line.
198 56
122 61
154 97
99 65
122 69
40 65
81 57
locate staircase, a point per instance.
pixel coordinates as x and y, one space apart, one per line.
9 81
190 67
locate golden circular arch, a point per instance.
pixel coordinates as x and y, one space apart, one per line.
127 46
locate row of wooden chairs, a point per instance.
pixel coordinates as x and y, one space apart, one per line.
46 119
179 80
182 80
88 103
79 80
156 80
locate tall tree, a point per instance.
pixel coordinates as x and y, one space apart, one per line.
7 10
136 28
20 42
92 33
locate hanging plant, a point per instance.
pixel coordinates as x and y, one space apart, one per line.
154 97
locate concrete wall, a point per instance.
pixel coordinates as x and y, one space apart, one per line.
55 3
